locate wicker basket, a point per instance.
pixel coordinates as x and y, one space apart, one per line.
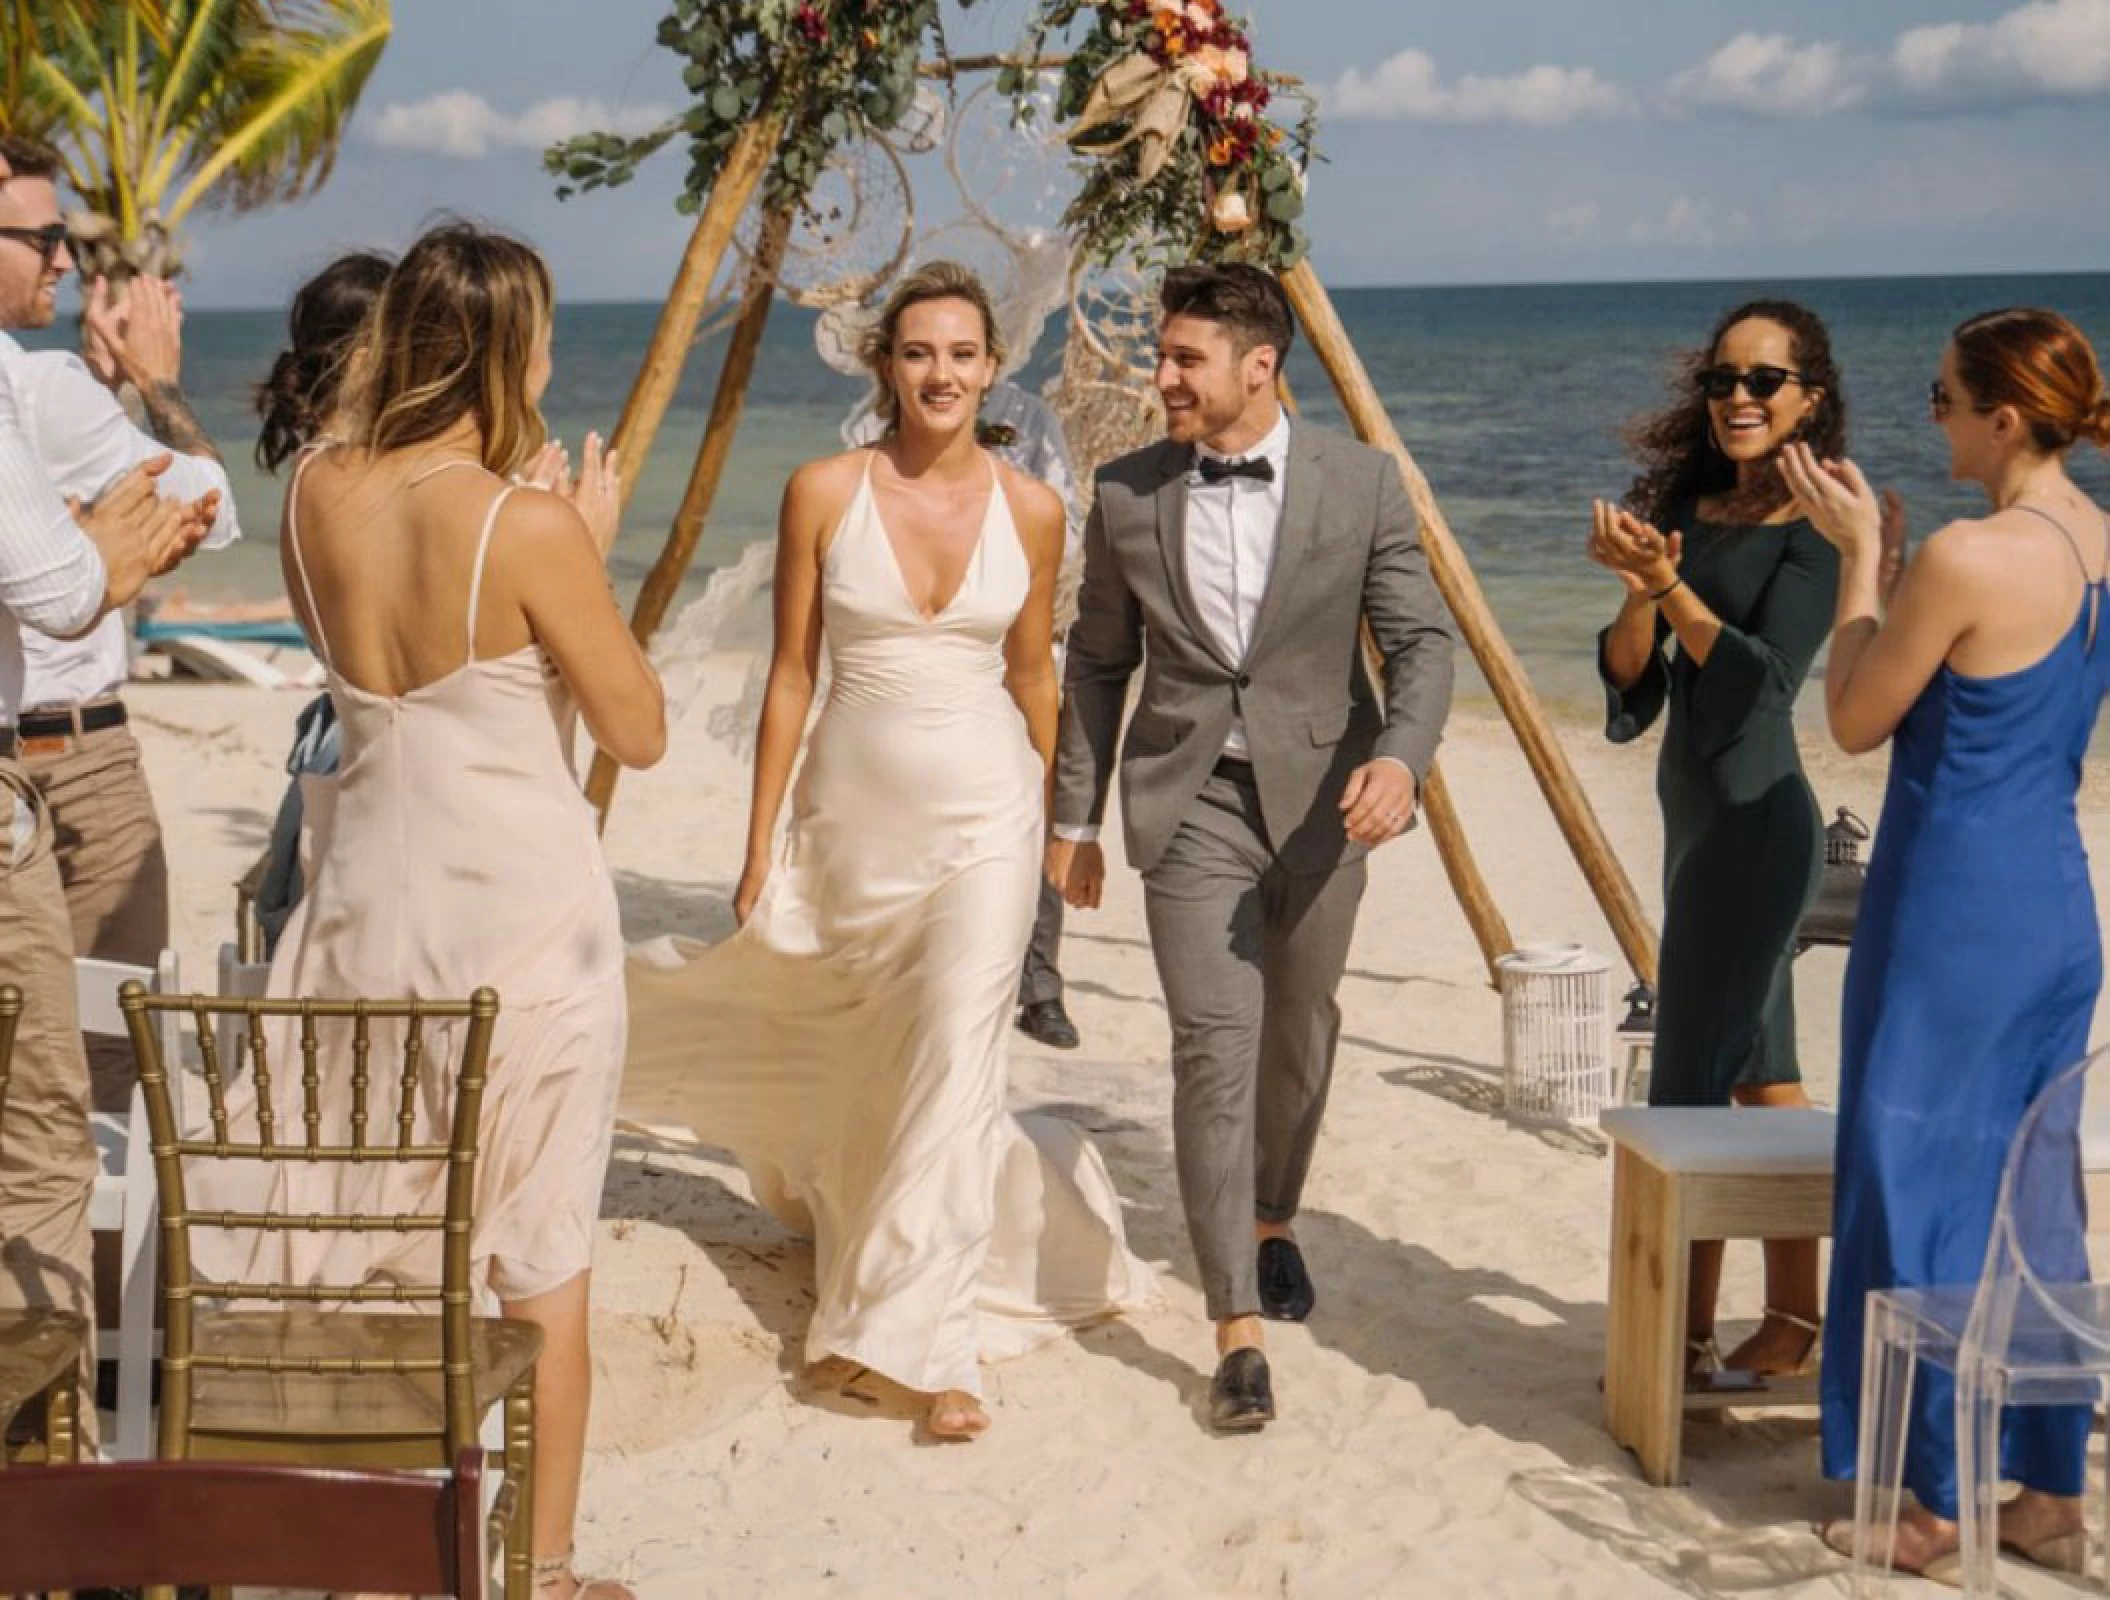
1556 1033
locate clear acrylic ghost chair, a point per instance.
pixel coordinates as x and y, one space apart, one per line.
2031 1332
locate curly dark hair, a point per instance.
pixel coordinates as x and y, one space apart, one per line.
1679 458
327 315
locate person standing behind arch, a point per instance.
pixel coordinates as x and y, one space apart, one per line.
1977 958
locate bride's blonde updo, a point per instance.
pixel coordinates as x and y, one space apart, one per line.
935 280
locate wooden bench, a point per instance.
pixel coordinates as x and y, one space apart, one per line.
1680 1174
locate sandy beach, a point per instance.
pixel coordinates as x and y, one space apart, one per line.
1440 1430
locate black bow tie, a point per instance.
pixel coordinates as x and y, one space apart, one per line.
1214 469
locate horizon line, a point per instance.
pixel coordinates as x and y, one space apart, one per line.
1515 283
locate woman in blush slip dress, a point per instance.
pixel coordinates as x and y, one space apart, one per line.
461 619
850 1042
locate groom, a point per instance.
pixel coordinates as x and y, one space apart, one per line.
1235 562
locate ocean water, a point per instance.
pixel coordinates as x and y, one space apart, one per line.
1513 400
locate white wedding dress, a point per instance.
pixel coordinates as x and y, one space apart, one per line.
849 1044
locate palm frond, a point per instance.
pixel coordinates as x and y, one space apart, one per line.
206 40
273 131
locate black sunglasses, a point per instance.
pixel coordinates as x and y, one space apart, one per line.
1940 402
1761 383
47 241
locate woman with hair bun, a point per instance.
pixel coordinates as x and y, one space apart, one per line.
299 399
849 1043
1717 561
1976 960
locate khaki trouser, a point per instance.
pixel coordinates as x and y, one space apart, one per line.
47 1154
108 842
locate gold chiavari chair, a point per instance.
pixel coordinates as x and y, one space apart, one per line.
40 1350
305 1381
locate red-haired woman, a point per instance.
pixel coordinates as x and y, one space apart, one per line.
1976 959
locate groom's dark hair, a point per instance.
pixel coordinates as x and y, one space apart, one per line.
1249 301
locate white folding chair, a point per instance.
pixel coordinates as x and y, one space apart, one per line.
124 1202
239 980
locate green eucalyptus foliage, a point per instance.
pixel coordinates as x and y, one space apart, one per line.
836 70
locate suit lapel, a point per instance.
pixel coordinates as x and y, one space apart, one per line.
1172 545
1304 478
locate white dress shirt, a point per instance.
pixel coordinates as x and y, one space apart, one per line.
51 575
87 443
1231 529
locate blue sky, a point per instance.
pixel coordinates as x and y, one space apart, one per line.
1502 141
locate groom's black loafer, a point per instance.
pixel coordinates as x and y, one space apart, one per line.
1286 1293
1048 1022
1241 1395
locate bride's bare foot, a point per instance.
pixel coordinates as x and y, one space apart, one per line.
955 1414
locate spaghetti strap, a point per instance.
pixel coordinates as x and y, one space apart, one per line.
300 564
483 546
2092 585
2072 543
417 478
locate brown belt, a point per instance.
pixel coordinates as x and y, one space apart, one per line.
43 733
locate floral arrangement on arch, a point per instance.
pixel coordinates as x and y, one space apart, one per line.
1184 163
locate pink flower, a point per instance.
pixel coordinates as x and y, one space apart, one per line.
1230 213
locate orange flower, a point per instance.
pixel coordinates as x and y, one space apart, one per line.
1274 134
1221 151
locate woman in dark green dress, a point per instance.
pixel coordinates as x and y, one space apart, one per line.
1729 595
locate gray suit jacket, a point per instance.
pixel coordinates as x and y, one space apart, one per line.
1347 549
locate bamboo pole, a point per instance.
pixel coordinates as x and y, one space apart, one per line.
668 353
1446 827
1476 621
664 580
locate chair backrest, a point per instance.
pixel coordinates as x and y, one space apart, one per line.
2039 1238
138 1524
10 1021
379 1123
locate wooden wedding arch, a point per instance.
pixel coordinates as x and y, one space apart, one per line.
741 199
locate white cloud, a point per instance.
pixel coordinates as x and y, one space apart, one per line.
1408 87
1574 223
1689 224
2045 50
1770 75
2051 49
460 123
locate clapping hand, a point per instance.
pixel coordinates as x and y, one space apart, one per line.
598 493
136 336
548 468
1645 560
1836 497
140 533
1894 534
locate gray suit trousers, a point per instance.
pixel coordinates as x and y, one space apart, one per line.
1249 956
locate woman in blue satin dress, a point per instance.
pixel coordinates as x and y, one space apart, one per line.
1977 959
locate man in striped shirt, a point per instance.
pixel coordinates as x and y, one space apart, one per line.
62 568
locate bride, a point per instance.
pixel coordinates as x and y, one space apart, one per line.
849 1042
